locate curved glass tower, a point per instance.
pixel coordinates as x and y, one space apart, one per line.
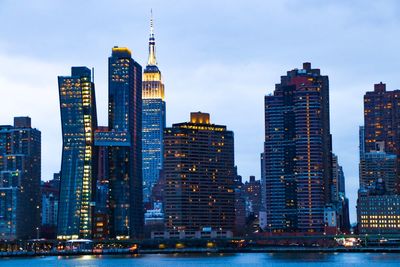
78 120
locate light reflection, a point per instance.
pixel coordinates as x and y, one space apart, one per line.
86 257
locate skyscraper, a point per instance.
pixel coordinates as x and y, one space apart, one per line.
298 152
78 120
20 170
153 120
381 120
124 139
199 170
378 196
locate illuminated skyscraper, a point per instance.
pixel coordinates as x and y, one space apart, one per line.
123 140
20 162
78 120
153 120
200 172
378 197
297 152
381 132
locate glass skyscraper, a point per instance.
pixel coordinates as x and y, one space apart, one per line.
298 152
124 139
20 163
78 120
153 120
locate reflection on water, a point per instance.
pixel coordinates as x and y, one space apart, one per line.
306 256
215 260
87 257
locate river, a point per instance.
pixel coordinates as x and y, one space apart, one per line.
211 260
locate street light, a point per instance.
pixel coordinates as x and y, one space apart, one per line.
37 232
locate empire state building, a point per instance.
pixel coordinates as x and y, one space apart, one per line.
153 120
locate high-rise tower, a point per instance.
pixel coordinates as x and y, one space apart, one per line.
379 193
153 120
200 172
78 120
20 159
123 140
381 132
298 152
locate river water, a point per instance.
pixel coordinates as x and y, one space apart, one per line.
211 260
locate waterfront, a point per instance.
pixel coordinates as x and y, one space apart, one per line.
210 260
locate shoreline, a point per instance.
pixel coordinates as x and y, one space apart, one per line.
194 251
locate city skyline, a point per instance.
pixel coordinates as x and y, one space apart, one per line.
221 65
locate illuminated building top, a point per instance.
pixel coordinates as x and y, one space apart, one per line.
200 118
153 87
121 50
200 121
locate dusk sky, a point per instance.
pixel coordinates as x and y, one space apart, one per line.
220 57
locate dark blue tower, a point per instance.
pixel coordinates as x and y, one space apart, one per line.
124 139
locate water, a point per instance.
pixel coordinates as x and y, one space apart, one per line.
231 260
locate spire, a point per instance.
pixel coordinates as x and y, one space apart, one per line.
152 44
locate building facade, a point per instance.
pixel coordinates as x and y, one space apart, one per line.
252 192
378 165
298 152
199 172
153 121
378 213
123 140
378 209
381 120
78 120
50 191
20 171
102 197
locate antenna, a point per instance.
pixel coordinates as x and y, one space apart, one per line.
151 22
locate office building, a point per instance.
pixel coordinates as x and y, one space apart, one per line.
20 171
378 213
200 172
378 197
381 120
123 139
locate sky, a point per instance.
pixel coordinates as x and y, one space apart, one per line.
220 57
